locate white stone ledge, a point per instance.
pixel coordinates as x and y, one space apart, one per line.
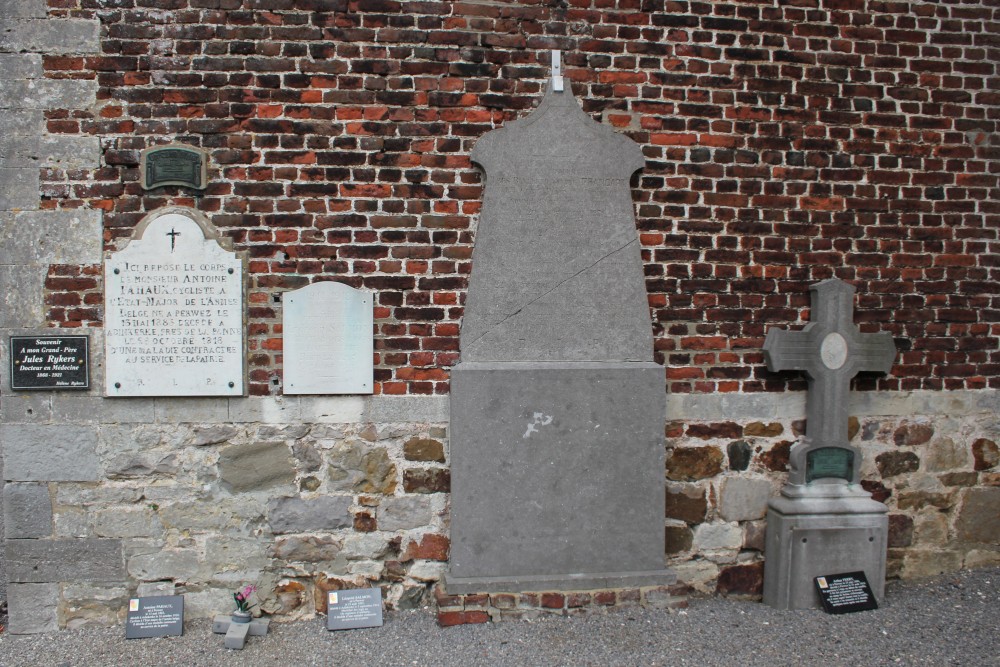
91 408
792 405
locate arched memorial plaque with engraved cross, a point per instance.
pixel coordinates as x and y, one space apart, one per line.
173 304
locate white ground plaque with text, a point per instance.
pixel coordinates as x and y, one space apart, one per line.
173 312
327 343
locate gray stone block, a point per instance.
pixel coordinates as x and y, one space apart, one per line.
557 471
52 237
62 151
299 515
22 122
96 410
69 152
744 499
256 466
191 410
50 452
180 564
332 409
20 188
404 513
3 532
46 35
48 93
24 407
979 518
32 608
21 289
264 409
216 434
406 409
27 510
15 66
18 150
117 522
22 9
43 561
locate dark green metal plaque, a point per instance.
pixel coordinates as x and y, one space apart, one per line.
829 462
174 165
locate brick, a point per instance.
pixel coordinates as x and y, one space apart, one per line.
430 547
553 600
447 619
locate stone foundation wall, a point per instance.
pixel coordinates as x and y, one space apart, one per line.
107 499
932 458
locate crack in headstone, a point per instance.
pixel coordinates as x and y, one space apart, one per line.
551 290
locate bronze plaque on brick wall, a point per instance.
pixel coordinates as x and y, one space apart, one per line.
174 165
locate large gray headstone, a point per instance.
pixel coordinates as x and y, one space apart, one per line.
824 522
174 311
557 273
557 408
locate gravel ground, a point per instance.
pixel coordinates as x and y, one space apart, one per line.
948 620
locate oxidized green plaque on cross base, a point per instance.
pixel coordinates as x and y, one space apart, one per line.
174 165
829 462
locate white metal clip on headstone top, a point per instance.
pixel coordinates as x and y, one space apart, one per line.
557 80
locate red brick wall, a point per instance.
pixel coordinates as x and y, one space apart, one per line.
786 141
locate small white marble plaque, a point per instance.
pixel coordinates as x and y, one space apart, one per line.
173 312
328 345
833 351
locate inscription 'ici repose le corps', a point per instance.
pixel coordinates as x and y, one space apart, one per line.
174 314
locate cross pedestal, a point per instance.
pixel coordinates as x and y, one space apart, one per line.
237 633
824 522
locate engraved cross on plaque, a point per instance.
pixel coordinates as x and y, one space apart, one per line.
173 234
831 351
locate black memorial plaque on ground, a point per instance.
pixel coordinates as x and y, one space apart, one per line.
155 616
845 593
173 165
361 608
49 362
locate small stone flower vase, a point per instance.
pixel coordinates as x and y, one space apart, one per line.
242 617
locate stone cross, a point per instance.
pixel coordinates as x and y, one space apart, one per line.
831 351
237 633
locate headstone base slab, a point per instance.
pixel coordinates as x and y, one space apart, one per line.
803 543
566 582
557 475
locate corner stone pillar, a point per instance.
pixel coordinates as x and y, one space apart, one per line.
35 561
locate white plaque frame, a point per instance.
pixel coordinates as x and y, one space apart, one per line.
328 340
175 327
